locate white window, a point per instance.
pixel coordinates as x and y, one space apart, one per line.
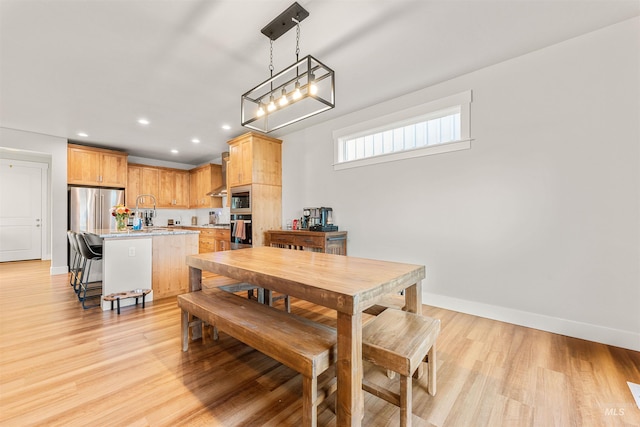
431 128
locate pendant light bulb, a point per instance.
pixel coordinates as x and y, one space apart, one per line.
296 93
284 100
260 112
272 105
313 89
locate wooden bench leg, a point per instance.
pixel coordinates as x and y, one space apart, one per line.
405 401
309 398
118 305
431 385
185 330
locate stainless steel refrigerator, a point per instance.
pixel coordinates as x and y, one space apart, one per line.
89 208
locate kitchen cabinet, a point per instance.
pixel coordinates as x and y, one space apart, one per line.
150 259
173 190
222 239
96 166
214 239
170 275
142 180
169 186
254 159
331 242
202 180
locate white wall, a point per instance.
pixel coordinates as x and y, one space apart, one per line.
537 224
54 149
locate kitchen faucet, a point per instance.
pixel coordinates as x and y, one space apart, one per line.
142 196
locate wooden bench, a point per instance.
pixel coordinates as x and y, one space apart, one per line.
301 344
137 293
399 341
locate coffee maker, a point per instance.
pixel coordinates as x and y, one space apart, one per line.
326 221
306 216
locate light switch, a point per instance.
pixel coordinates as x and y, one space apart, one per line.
132 251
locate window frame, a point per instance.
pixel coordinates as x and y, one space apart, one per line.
427 111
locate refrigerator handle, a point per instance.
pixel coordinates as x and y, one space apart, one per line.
100 212
96 212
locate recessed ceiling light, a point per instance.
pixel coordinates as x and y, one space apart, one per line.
82 134
226 127
174 151
143 121
195 141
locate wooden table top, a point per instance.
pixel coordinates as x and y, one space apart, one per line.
344 283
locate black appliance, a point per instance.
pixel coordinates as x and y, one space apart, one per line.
241 231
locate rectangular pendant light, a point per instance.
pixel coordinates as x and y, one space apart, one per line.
302 90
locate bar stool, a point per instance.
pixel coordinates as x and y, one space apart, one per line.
88 290
399 341
75 261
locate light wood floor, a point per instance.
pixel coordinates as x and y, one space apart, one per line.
62 365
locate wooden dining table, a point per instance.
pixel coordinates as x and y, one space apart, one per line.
346 284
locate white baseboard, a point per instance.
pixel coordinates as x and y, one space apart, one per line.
58 270
586 331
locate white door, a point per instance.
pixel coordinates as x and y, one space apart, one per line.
21 209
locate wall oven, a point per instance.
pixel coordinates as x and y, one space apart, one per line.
241 231
241 199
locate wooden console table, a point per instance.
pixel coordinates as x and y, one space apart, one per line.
330 242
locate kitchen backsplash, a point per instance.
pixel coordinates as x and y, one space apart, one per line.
183 216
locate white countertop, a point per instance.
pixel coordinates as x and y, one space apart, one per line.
219 226
145 232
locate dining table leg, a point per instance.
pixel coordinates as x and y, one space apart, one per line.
195 284
195 279
349 397
413 298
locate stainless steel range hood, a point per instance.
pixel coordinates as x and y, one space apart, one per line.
222 190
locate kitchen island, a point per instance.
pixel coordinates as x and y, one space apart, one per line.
152 258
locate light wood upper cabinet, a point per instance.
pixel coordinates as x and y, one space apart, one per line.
133 185
169 186
96 166
254 159
203 179
240 163
142 180
182 189
173 190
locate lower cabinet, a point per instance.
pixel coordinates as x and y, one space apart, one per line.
170 273
214 239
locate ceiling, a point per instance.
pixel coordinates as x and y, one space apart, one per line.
97 66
